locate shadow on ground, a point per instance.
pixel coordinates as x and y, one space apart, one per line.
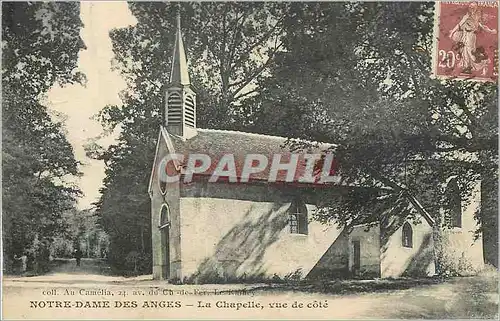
350 286
474 297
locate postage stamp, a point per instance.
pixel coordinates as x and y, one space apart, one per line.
466 40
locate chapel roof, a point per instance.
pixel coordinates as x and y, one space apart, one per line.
217 143
242 143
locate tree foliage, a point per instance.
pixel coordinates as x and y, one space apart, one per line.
358 74
40 47
230 44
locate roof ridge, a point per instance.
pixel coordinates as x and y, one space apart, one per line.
262 135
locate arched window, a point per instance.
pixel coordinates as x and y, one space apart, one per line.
454 204
164 217
297 218
163 186
407 236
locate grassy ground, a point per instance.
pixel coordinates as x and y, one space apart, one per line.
474 297
479 295
353 286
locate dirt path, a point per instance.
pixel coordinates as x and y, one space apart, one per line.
87 266
65 271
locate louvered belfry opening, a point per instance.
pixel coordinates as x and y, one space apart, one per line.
174 109
190 115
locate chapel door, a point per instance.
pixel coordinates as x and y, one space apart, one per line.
165 241
356 264
166 252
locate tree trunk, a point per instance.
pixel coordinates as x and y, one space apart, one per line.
489 220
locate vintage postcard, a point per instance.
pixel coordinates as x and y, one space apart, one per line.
466 40
249 160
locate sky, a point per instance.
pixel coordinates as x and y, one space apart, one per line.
80 103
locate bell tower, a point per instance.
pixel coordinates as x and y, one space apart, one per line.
180 99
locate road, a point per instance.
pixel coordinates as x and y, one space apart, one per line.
93 293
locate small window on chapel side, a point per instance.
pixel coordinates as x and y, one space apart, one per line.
454 204
164 217
297 218
163 187
407 237
163 184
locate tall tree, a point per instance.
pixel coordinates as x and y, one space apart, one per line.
230 45
358 74
40 47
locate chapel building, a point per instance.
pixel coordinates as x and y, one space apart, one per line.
203 230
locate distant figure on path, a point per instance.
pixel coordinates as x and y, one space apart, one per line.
24 261
104 253
78 256
44 256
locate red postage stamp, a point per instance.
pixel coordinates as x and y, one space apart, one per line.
466 40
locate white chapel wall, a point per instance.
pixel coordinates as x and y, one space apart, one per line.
237 236
459 242
397 260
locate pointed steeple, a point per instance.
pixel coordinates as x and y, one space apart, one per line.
180 99
179 73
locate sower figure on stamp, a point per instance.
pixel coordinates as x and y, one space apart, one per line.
78 256
472 58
